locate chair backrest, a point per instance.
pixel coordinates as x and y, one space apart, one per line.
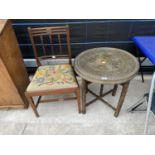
50 43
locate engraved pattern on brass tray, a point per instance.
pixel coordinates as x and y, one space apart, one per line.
106 64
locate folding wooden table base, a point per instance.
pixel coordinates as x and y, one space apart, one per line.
117 109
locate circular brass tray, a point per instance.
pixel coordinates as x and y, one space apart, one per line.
106 65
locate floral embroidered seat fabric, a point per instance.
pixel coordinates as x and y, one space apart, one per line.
53 77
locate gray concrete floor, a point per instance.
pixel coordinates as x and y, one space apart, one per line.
63 118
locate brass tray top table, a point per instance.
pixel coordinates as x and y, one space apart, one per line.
106 65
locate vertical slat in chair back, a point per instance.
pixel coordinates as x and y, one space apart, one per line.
50 43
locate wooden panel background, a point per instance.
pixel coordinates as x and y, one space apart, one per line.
13 62
8 97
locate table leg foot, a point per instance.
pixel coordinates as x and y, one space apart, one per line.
83 112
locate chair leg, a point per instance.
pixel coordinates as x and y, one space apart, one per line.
78 100
30 99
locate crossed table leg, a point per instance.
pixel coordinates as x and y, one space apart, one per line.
101 95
